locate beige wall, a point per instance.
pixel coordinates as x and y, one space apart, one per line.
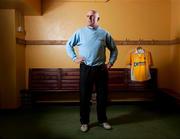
32 7
20 56
7 59
175 19
175 57
27 7
131 19
12 61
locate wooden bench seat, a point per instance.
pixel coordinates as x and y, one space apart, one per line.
62 85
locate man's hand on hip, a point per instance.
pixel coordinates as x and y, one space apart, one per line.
109 65
79 60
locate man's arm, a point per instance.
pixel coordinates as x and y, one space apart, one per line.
113 50
71 43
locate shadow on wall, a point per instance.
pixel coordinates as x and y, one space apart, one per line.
49 5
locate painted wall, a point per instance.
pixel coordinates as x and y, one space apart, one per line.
27 7
175 57
8 96
20 56
175 19
124 19
12 61
32 7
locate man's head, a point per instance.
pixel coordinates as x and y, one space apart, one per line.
92 18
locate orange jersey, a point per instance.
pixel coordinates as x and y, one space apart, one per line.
140 65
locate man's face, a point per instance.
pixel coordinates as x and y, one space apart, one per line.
92 19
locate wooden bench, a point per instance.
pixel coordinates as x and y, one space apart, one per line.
122 88
53 85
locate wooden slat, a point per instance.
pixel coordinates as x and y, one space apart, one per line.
48 84
42 78
118 42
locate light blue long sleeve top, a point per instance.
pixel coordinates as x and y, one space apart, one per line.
92 44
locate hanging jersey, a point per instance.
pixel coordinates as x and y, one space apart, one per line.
140 65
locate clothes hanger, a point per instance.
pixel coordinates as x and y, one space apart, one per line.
139 45
139 49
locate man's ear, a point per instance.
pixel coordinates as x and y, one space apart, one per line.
98 19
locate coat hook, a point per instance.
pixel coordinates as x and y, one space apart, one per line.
152 42
126 41
139 42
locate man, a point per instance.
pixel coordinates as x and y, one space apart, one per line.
92 42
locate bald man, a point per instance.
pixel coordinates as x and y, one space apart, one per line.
92 42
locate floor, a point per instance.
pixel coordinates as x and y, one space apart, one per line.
129 121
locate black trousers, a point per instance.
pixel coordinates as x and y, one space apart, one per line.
89 76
